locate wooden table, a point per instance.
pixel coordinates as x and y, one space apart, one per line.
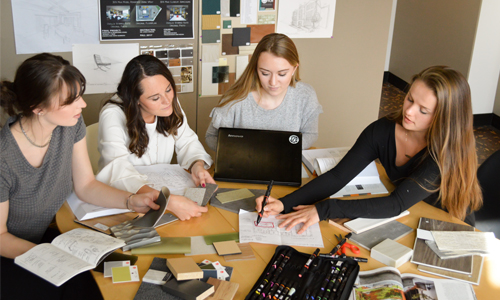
246 273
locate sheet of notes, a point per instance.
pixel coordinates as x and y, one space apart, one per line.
268 232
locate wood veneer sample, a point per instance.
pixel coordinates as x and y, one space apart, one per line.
184 268
224 290
246 253
227 45
259 31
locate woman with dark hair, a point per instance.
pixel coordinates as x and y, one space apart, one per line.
269 95
427 149
43 158
143 124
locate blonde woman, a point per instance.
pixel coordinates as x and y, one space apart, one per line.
269 95
427 149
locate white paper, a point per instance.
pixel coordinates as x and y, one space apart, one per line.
268 232
103 64
85 211
249 9
306 18
424 234
360 225
48 26
172 176
465 240
309 156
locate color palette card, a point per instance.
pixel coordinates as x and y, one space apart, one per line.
234 195
125 274
108 265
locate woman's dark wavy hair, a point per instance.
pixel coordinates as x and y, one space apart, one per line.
130 90
39 79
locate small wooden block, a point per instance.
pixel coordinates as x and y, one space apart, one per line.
224 290
246 253
391 253
227 247
184 268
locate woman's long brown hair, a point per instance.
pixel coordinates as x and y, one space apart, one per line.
450 140
130 90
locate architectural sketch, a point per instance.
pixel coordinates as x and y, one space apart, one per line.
306 18
311 15
54 25
103 64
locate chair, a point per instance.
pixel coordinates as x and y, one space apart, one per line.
92 142
488 174
100 64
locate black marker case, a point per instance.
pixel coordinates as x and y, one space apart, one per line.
279 278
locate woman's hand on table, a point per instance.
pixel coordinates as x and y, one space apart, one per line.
273 206
307 214
200 175
185 208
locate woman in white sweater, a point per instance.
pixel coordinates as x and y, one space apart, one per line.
143 124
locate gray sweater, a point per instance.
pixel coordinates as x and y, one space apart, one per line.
299 111
36 194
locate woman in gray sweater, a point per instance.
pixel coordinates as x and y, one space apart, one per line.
269 95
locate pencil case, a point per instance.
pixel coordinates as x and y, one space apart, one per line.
286 277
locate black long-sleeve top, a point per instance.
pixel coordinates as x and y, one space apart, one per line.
415 181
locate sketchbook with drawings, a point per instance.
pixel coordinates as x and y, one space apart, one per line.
367 182
69 254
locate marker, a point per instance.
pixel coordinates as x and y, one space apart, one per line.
342 242
355 258
309 261
268 192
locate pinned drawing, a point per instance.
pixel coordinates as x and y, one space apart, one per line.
54 26
100 64
306 18
103 64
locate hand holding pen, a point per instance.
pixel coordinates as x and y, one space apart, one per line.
264 202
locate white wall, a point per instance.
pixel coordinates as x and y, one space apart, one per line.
485 63
391 32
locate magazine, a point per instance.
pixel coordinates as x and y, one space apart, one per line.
389 283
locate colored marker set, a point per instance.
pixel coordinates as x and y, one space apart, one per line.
295 275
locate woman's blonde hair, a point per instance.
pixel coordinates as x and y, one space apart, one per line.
278 45
450 140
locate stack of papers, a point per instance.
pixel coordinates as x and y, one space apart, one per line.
365 183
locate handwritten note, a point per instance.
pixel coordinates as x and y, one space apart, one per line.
172 176
268 232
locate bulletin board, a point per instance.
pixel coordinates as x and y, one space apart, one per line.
229 31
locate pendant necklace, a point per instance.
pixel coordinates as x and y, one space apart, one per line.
29 140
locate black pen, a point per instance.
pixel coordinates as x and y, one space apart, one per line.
308 263
342 242
355 258
268 192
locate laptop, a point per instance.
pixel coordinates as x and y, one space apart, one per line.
258 156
